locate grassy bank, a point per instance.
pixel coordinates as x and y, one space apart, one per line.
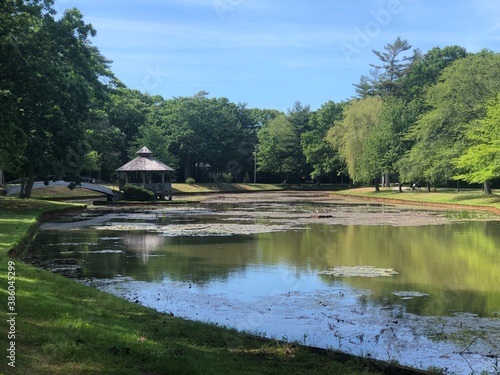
219 188
63 327
447 198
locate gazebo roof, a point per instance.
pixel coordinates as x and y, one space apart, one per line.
145 162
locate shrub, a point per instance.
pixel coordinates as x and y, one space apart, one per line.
227 177
137 193
190 181
246 179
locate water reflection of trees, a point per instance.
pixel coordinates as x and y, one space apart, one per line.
458 265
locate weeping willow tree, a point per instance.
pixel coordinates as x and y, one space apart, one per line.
351 137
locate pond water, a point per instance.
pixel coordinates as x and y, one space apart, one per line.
266 267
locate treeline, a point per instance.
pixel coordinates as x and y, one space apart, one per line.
428 118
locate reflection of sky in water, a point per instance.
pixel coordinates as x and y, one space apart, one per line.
255 282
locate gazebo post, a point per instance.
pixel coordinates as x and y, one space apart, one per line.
163 185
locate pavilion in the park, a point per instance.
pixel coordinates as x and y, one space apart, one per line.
148 172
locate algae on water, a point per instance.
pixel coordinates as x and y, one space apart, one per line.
359 271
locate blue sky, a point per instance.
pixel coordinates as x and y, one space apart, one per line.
272 53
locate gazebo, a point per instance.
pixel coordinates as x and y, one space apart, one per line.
146 171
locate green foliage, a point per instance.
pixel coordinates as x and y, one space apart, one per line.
190 181
481 161
137 193
360 123
386 78
92 161
319 153
49 93
206 131
456 104
425 71
227 178
280 150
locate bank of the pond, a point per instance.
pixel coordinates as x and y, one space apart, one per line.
445 198
63 327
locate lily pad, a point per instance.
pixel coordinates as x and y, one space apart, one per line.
358 271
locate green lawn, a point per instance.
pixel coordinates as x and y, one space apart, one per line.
216 188
467 197
66 328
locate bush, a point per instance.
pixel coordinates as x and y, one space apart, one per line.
190 181
227 177
137 193
246 179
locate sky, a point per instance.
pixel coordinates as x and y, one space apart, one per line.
271 53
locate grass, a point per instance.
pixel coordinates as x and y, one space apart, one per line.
470 198
216 188
63 327
62 192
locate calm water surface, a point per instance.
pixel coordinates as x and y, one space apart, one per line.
181 260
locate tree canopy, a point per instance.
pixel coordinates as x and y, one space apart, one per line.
429 117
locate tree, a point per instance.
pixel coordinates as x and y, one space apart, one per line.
481 161
456 102
107 140
205 135
91 162
386 77
361 118
389 139
13 140
127 110
426 70
276 144
279 149
319 153
52 73
299 117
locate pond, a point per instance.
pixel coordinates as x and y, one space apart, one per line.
374 280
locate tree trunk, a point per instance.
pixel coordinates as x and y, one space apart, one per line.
428 187
387 180
487 187
27 185
377 185
187 167
400 187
